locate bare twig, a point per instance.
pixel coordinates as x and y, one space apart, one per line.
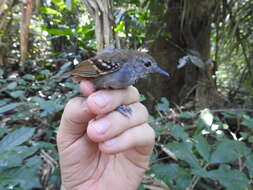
168 152
49 160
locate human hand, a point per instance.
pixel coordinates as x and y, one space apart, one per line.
99 148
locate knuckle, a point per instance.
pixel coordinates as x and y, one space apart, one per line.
134 92
72 102
143 109
151 132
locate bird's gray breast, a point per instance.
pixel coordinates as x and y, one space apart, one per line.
119 79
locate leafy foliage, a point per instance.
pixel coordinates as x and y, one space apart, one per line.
37 108
197 147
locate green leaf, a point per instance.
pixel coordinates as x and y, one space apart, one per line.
203 147
160 129
45 72
141 187
164 106
249 165
1 132
29 77
64 68
1 187
229 151
10 159
178 132
174 176
71 85
16 138
250 139
60 4
12 85
26 177
165 172
231 179
17 94
9 107
34 161
60 32
4 101
184 152
44 145
188 115
49 11
25 151
49 106
248 122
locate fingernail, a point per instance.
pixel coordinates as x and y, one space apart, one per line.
111 142
101 126
100 99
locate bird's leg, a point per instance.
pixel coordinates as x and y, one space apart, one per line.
124 110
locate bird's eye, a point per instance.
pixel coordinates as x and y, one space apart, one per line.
147 64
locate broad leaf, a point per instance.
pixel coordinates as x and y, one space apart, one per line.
184 152
29 77
17 94
16 138
175 177
49 11
248 122
203 147
4 101
249 165
60 4
229 151
11 85
26 176
187 115
164 106
178 132
10 159
9 107
231 179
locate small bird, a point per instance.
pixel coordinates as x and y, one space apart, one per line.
115 69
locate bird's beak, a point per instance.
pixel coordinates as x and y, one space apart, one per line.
157 69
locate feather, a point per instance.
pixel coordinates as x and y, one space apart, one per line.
93 68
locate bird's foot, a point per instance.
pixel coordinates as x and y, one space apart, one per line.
124 110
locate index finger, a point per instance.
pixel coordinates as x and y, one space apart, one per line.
105 101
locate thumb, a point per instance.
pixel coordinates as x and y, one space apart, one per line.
74 122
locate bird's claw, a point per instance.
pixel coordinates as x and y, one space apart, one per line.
124 110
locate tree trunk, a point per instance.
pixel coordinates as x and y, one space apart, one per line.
5 11
101 11
188 24
26 8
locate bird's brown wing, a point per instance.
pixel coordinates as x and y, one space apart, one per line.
85 69
93 68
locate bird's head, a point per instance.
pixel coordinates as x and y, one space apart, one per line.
147 64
